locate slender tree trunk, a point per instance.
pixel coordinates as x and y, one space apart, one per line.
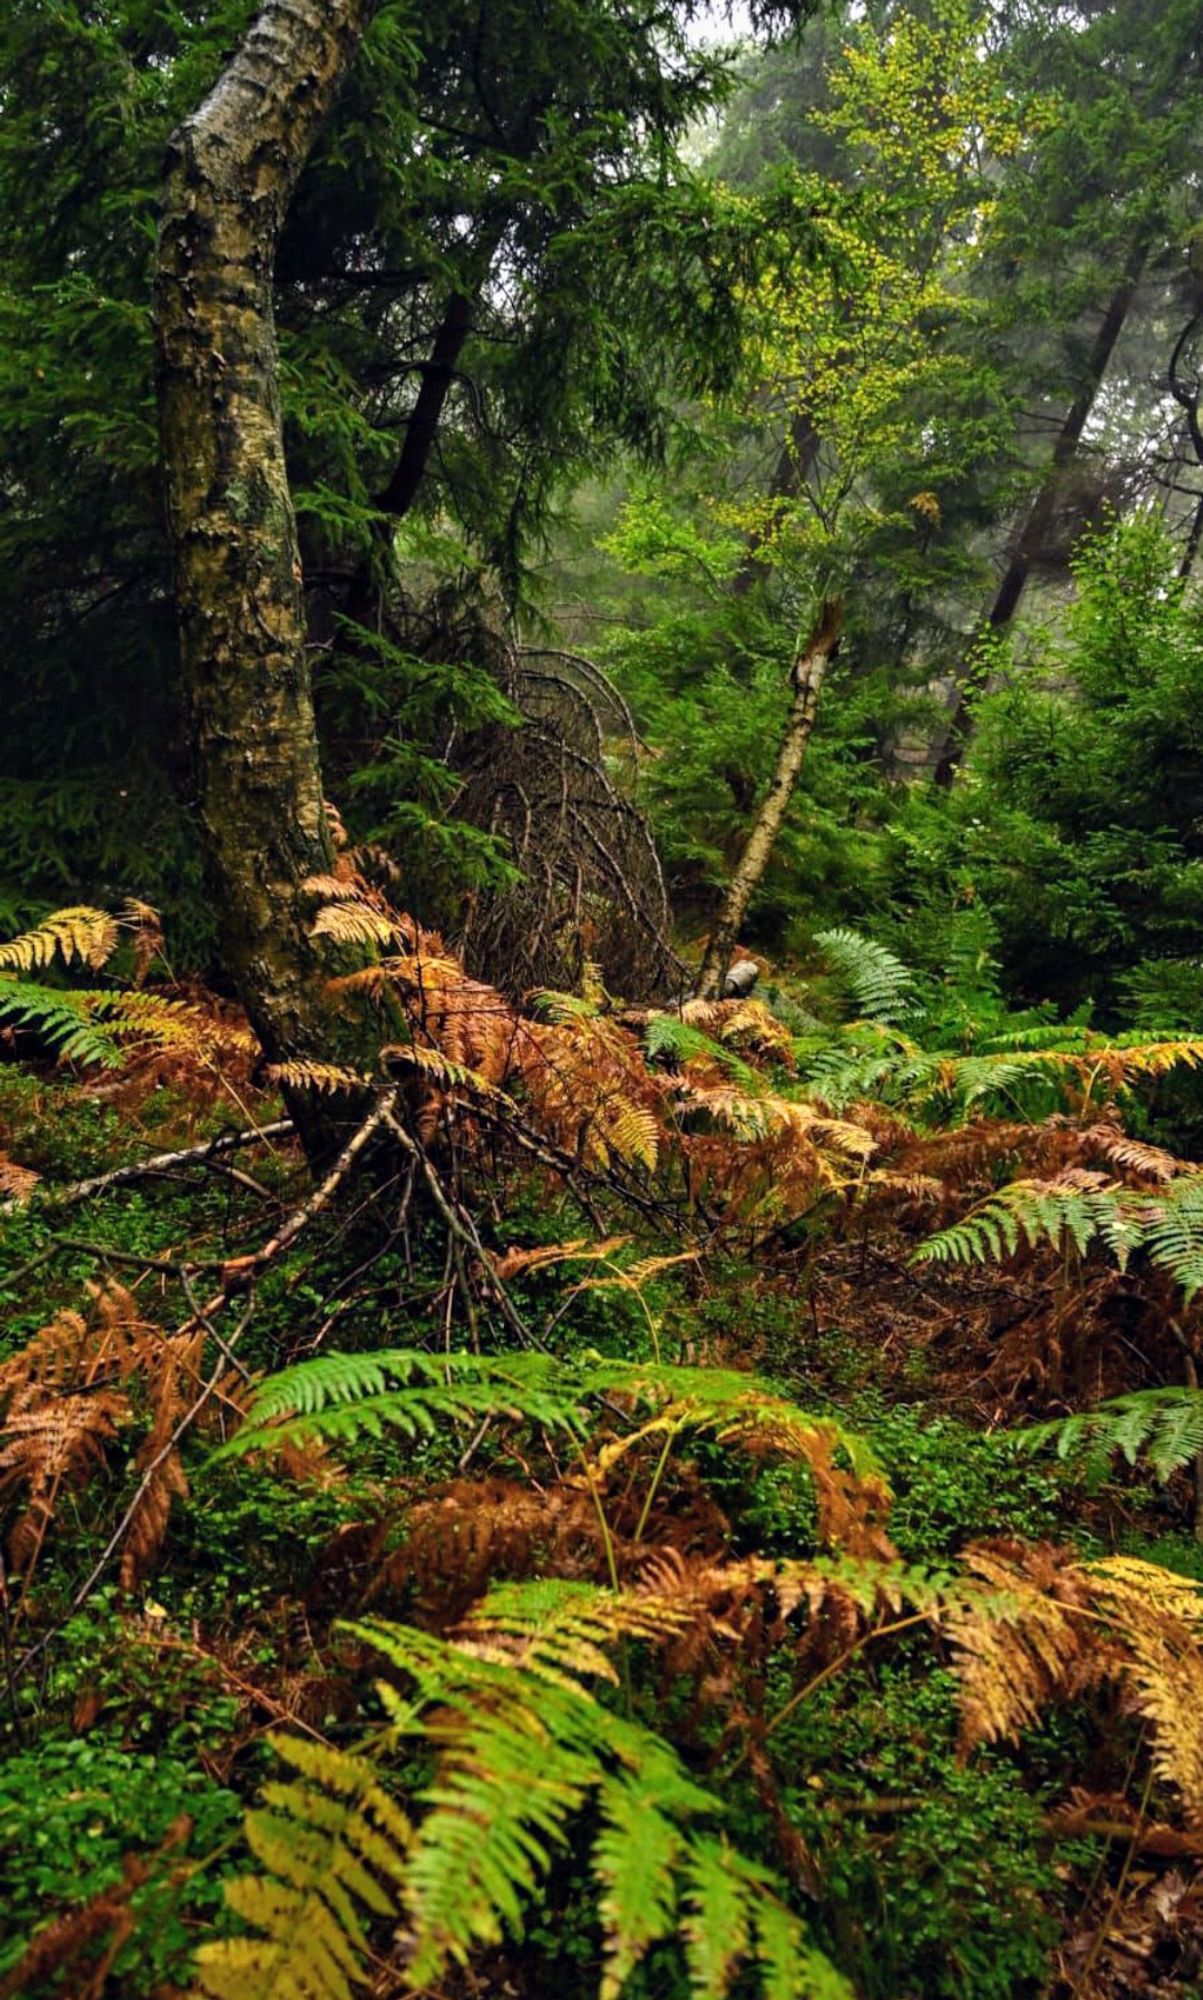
230 173
1191 547
1033 531
364 597
437 376
810 670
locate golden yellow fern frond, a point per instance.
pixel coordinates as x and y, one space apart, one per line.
565 1636
1158 1616
441 1069
1021 1647
333 1847
325 1077
354 922
759 1116
78 934
637 1275
588 1249
629 1131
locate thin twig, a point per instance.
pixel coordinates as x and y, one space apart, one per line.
462 1229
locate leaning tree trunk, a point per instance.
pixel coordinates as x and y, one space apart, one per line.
230 173
1033 531
810 670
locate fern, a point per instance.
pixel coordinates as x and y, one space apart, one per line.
1173 1231
326 1078
668 1035
98 1026
879 983
330 1844
79 934
1033 1211
526 1753
1080 1209
1165 1426
340 1397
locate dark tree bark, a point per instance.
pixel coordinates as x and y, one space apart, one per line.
230 173
437 376
810 671
791 475
1033 532
1186 390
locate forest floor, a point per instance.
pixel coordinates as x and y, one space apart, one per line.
145 1674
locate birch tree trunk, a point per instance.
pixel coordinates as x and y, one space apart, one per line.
810 671
230 172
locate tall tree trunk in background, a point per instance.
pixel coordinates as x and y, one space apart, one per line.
1033 532
790 476
230 173
810 670
365 596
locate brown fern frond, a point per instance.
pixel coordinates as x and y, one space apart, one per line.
1135 1156
47 1446
145 925
471 1533
69 1393
511 1263
15 1179
147 1529
68 1942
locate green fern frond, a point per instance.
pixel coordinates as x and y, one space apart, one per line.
339 1397
1165 1426
880 984
1054 1212
1173 1231
100 1026
668 1035
59 1020
637 1858
524 1747
1166 1226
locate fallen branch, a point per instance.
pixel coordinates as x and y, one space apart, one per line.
136 1170
240 1270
